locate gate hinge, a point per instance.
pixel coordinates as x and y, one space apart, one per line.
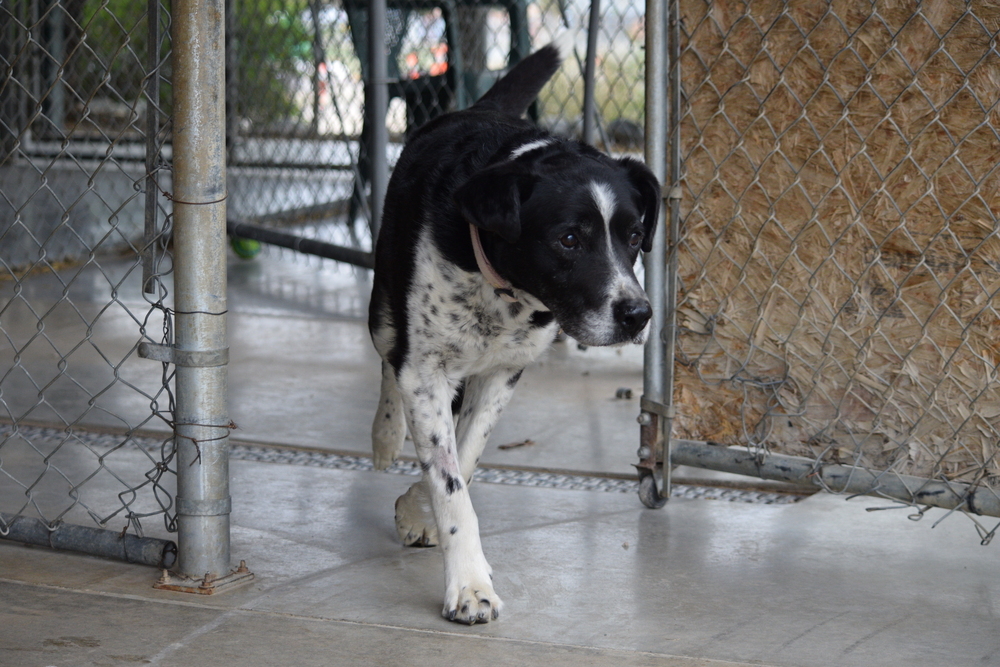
192 507
188 358
668 411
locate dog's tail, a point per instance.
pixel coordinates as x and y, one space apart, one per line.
520 86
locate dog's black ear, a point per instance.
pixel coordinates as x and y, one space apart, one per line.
648 189
491 199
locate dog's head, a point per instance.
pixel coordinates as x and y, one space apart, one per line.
567 228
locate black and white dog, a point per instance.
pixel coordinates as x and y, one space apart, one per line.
494 235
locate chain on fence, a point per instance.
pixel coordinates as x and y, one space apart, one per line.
84 268
297 127
840 256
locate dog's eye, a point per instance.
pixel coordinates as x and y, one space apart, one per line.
569 240
634 239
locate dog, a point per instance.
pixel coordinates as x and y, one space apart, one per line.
495 234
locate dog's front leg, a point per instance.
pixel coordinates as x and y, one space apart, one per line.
469 595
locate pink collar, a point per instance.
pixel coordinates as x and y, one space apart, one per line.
502 288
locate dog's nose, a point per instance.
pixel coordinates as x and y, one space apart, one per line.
632 315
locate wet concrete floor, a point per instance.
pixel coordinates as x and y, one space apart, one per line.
588 577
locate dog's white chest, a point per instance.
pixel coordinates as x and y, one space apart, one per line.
455 317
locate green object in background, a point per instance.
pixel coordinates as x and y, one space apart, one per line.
245 248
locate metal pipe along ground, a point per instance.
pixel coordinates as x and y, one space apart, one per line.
92 541
838 478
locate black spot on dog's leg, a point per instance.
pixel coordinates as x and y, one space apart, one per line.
451 484
425 466
454 529
512 380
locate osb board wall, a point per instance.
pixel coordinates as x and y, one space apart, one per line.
840 260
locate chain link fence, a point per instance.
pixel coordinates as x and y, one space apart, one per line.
86 217
839 264
84 266
838 270
298 134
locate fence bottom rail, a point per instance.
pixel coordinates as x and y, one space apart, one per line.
838 478
301 244
92 541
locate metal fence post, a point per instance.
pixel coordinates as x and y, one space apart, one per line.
376 106
589 73
201 419
672 211
655 399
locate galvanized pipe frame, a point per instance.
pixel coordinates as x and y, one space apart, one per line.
302 244
589 74
838 478
654 418
201 417
90 540
152 91
376 108
672 206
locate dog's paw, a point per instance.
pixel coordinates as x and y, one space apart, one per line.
472 602
382 458
415 519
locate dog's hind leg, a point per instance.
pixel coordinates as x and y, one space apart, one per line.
415 519
389 425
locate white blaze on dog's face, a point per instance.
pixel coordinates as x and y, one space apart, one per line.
625 309
578 224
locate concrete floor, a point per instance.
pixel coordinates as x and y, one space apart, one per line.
589 578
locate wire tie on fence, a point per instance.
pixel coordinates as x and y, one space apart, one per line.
231 426
170 197
196 312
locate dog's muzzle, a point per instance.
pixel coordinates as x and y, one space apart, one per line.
631 315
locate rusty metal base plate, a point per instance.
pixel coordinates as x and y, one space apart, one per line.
208 585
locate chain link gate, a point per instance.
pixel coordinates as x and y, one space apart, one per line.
91 191
84 277
108 183
300 136
834 171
